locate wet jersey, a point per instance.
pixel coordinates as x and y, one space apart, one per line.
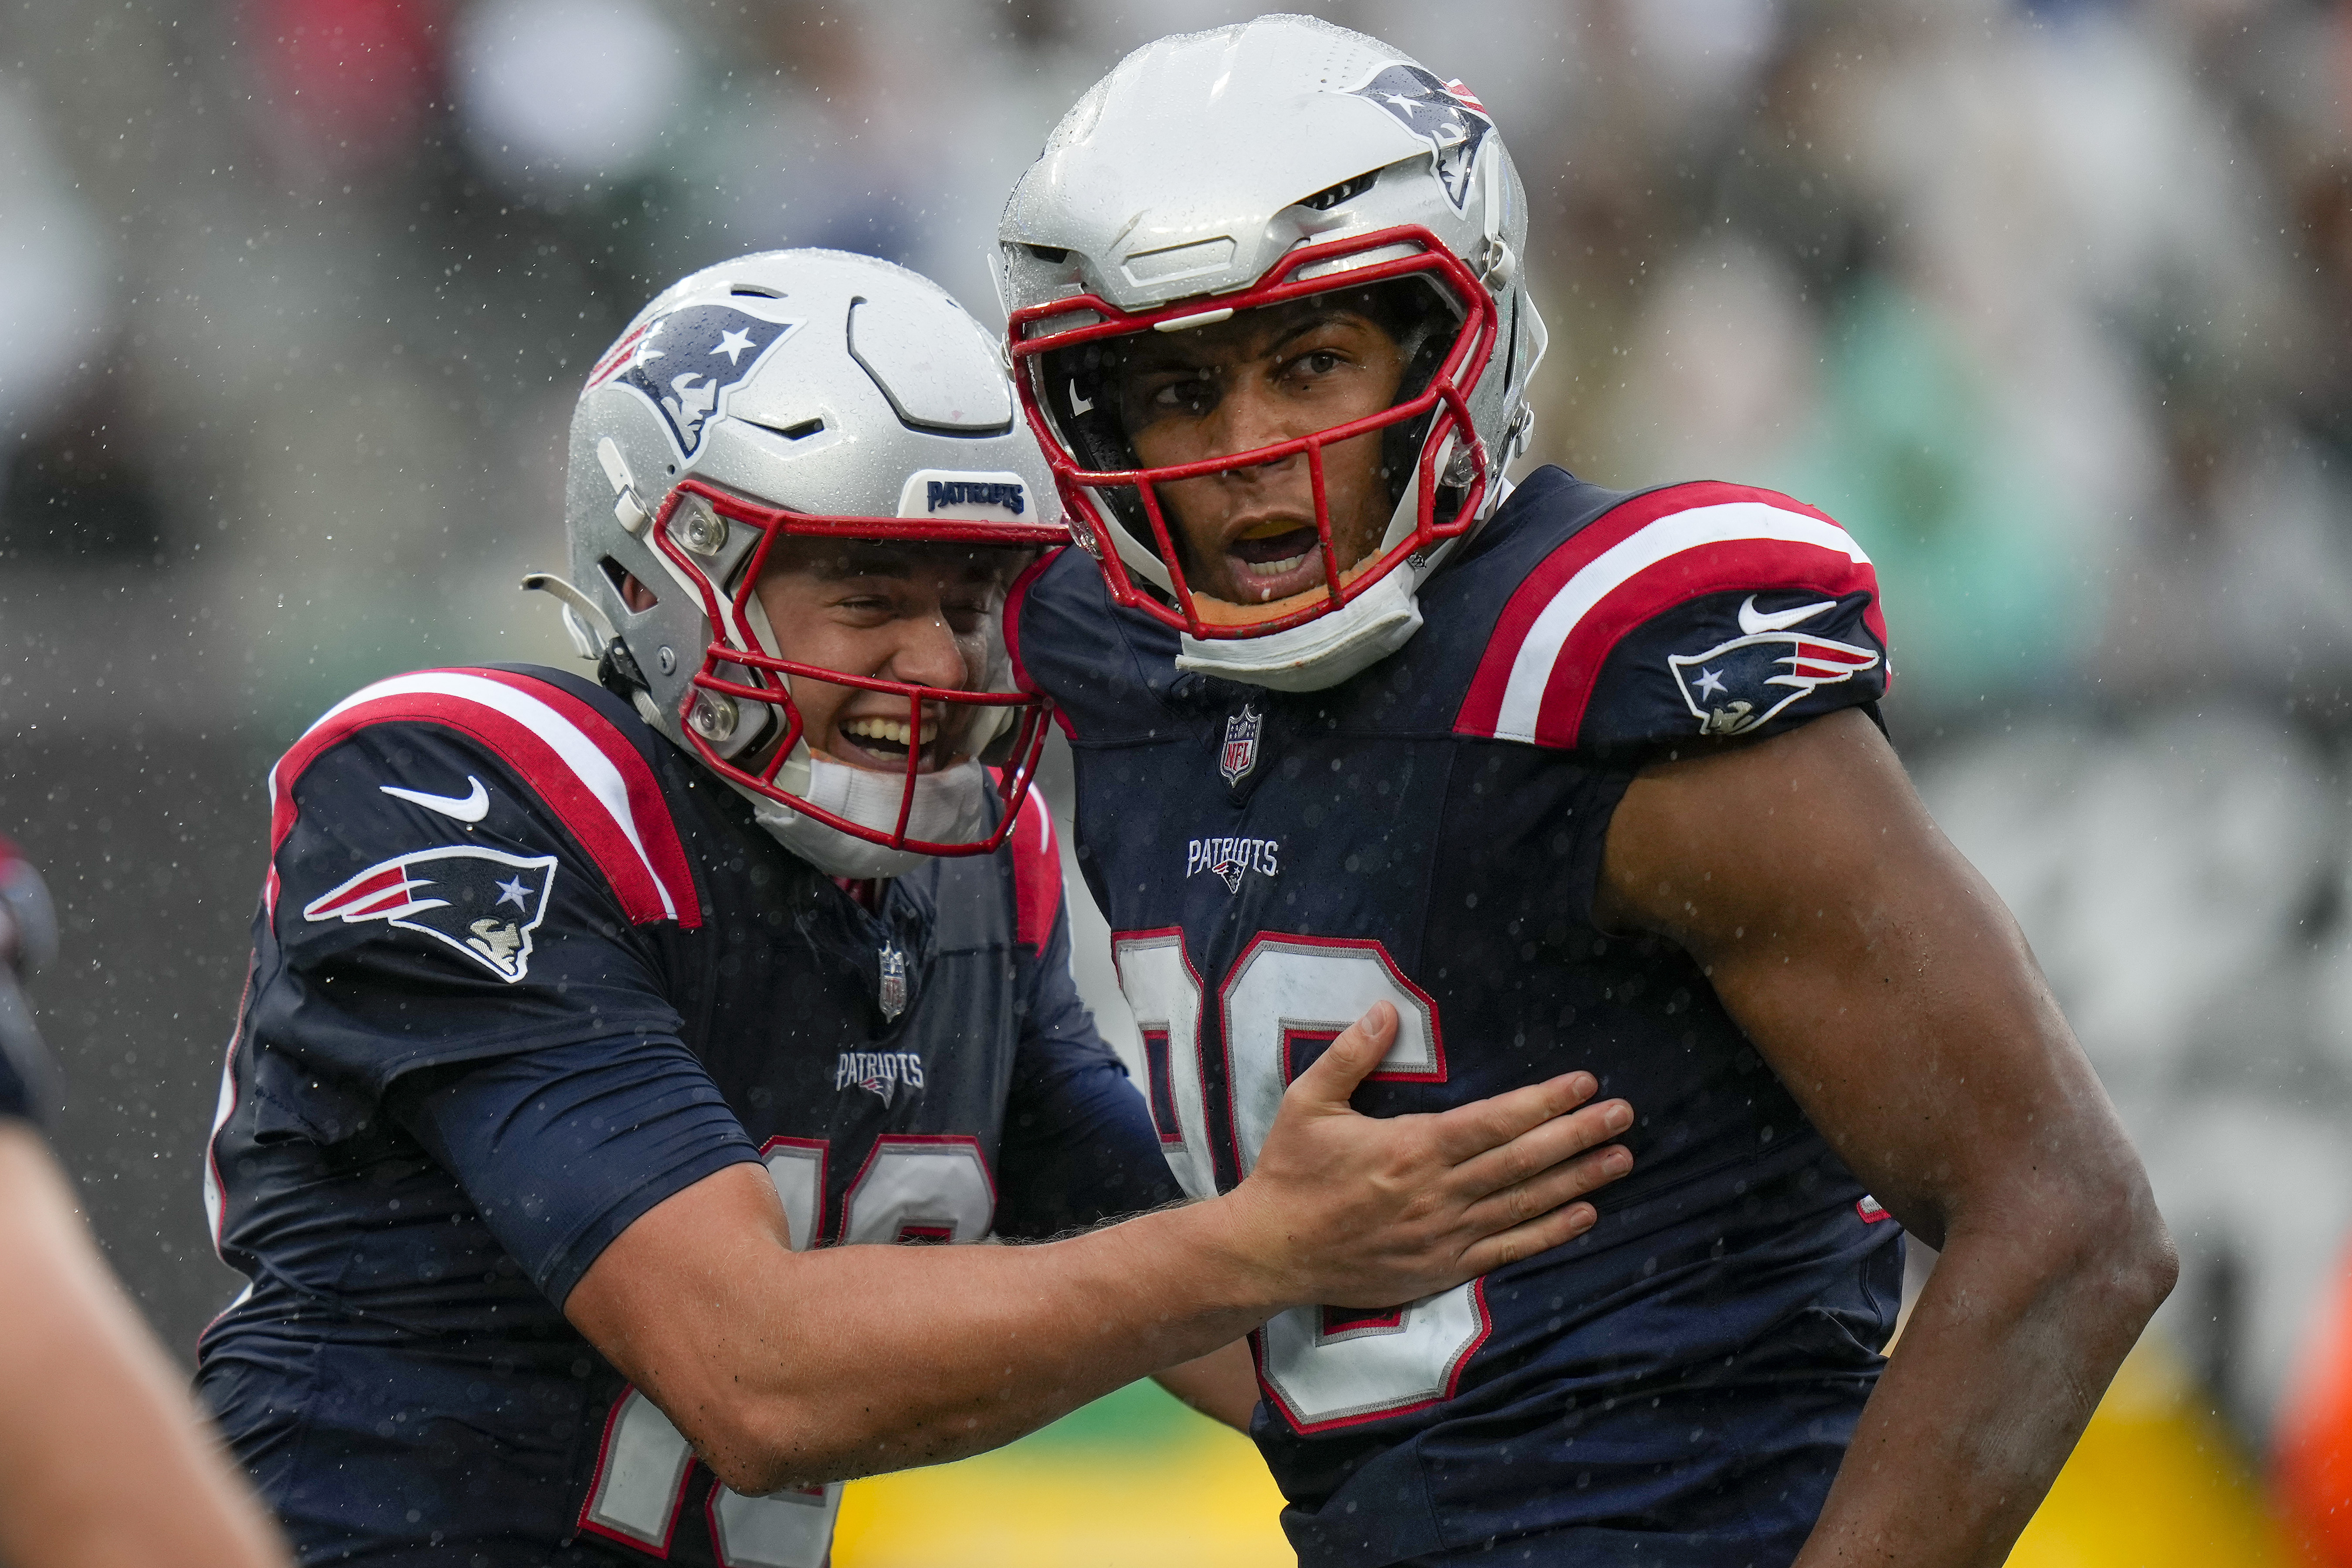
1679 1382
521 972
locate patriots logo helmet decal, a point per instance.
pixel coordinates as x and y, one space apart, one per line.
1445 115
1738 684
686 362
481 902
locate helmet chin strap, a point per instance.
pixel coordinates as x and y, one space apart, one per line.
1330 648
1323 652
949 807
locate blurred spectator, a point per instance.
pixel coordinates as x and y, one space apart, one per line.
2314 1466
565 97
54 311
349 82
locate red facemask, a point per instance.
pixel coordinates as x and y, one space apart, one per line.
738 670
1134 530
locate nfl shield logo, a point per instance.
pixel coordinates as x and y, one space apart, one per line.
892 996
1240 752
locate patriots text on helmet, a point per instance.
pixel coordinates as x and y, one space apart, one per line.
968 492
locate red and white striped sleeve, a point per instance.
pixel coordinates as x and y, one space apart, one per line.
572 756
1696 609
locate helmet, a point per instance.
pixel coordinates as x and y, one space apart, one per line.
812 397
1219 172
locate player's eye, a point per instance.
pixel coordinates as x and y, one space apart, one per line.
1192 395
1315 363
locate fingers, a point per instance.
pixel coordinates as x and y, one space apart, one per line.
1557 1228
1333 1076
1542 1147
1552 1189
1467 1130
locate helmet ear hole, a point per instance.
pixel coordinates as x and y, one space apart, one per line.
631 588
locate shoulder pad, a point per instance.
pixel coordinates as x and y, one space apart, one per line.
1064 636
558 737
1017 601
1037 873
1696 609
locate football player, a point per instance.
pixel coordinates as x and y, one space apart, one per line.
1563 774
102 1458
582 1017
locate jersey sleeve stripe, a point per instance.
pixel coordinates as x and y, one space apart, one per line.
1036 874
599 786
645 816
1645 556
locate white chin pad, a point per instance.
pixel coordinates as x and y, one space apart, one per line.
949 807
1323 652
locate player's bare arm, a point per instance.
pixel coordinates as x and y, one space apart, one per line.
1222 1386
1894 996
106 1462
788 1368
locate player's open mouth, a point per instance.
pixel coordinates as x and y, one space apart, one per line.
881 742
1274 559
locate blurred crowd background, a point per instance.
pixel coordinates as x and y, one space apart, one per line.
2050 302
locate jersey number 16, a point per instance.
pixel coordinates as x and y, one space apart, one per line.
1285 997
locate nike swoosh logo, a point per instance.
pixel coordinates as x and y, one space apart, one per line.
465 808
1752 620
1079 405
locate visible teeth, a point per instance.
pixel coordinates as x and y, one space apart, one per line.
894 731
1277 568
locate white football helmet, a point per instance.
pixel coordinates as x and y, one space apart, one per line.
1220 172
806 393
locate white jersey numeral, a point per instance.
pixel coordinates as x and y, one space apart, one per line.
1285 996
1164 991
912 1188
1285 992
920 1187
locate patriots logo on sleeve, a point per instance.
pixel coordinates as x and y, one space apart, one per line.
482 902
686 362
1736 686
1447 116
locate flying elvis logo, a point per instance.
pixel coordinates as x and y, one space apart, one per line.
1736 686
686 362
481 902
1232 858
1446 115
878 1073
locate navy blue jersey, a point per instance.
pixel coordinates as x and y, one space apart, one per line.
522 970
1430 832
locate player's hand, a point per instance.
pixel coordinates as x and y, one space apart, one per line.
1363 1211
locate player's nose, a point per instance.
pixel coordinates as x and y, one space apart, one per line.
928 653
1252 418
